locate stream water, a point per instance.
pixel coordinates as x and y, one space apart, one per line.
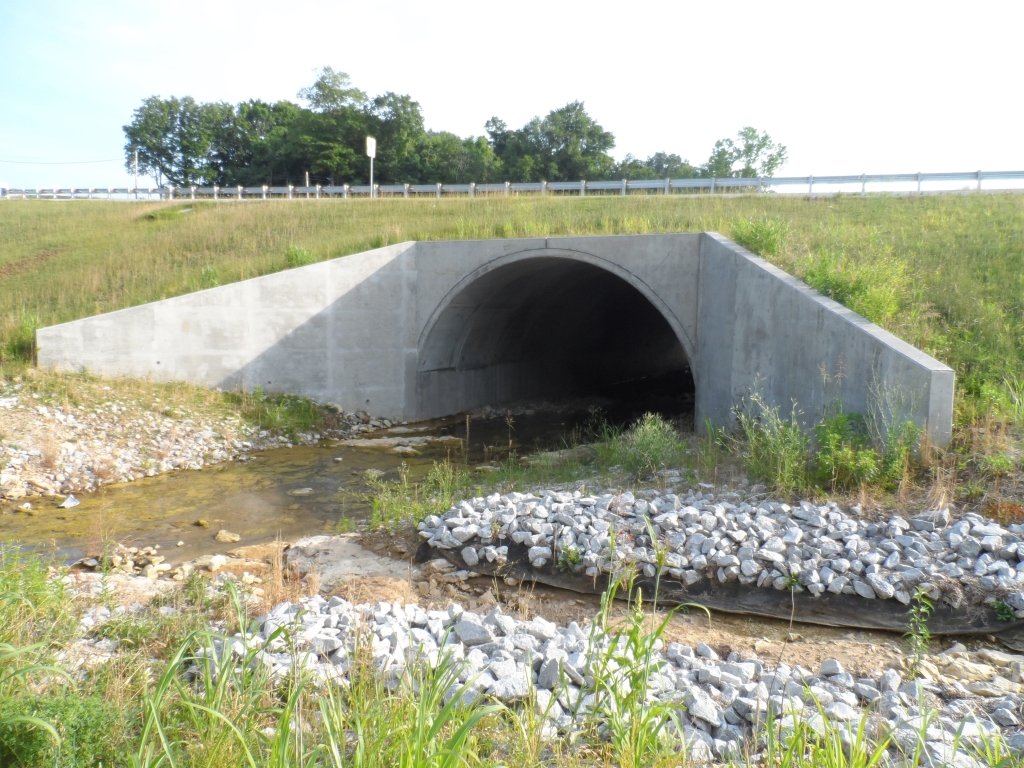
293 492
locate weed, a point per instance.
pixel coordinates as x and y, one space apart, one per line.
426 722
639 730
776 449
92 731
1003 611
33 607
764 236
710 450
997 465
900 444
298 257
649 445
876 288
1015 390
569 559
843 458
918 636
403 503
286 414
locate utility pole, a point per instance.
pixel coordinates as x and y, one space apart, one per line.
371 152
136 174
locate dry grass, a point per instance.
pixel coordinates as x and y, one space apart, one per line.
1005 512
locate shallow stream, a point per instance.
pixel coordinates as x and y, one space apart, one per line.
291 492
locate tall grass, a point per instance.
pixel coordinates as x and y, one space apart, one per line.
648 446
403 503
776 448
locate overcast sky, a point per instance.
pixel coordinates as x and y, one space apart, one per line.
848 87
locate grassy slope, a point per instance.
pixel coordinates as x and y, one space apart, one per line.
946 272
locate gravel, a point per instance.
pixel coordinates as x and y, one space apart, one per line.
720 701
56 450
757 542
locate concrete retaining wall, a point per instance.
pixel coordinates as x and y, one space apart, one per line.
426 329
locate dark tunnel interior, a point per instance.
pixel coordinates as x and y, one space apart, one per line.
553 329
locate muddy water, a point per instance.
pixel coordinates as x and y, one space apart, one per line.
288 491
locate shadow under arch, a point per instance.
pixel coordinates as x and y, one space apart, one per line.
553 324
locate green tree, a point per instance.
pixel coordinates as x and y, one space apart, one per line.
567 144
397 122
332 91
660 165
752 154
446 157
173 139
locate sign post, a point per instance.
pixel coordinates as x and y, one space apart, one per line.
371 152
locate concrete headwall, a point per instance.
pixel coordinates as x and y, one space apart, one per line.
418 330
761 328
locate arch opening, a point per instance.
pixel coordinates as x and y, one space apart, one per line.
557 330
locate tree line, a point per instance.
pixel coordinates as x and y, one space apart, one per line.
183 142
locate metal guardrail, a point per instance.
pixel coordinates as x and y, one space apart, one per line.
622 187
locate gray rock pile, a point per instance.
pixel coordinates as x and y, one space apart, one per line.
720 701
754 541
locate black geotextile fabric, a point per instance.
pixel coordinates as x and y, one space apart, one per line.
829 610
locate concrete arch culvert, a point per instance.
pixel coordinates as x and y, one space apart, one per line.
426 329
551 326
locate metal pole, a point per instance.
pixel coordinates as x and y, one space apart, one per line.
136 174
979 181
810 185
863 184
371 177
919 182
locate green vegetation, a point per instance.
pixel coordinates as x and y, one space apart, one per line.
845 452
918 636
190 696
946 273
649 445
776 448
845 459
186 142
403 503
1003 611
280 413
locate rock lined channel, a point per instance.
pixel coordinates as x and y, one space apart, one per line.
750 540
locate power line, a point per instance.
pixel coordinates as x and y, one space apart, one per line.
54 162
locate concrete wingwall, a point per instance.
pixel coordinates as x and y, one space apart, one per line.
418 330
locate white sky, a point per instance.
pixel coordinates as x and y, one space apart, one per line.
849 87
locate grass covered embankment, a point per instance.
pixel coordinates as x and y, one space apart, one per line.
946 273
